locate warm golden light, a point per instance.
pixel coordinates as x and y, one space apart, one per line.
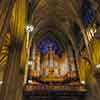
51 67
91 32
98 66
83 82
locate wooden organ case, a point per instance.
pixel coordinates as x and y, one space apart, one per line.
53 77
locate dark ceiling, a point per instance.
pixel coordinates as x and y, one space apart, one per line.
62 20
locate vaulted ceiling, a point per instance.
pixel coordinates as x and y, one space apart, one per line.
55 18
61 20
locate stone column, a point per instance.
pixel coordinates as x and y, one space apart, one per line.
13 78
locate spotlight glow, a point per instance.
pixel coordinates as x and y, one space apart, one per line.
83 82
1 82
29 28
98 66
30 81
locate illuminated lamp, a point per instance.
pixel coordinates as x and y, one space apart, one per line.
30 81
83 82
1 82
29 28
98 66
30 63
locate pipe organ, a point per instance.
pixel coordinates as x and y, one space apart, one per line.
52 67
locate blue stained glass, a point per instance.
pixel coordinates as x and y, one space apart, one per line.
45 43
88 14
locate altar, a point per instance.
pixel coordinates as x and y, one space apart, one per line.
75 91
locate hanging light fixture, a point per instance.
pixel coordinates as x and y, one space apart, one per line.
29 28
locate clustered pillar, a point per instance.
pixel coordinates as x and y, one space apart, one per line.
13 78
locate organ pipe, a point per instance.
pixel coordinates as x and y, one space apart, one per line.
52 67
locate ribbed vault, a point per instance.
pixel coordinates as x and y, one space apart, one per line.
55 19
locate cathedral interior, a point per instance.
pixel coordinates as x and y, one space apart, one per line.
49 50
